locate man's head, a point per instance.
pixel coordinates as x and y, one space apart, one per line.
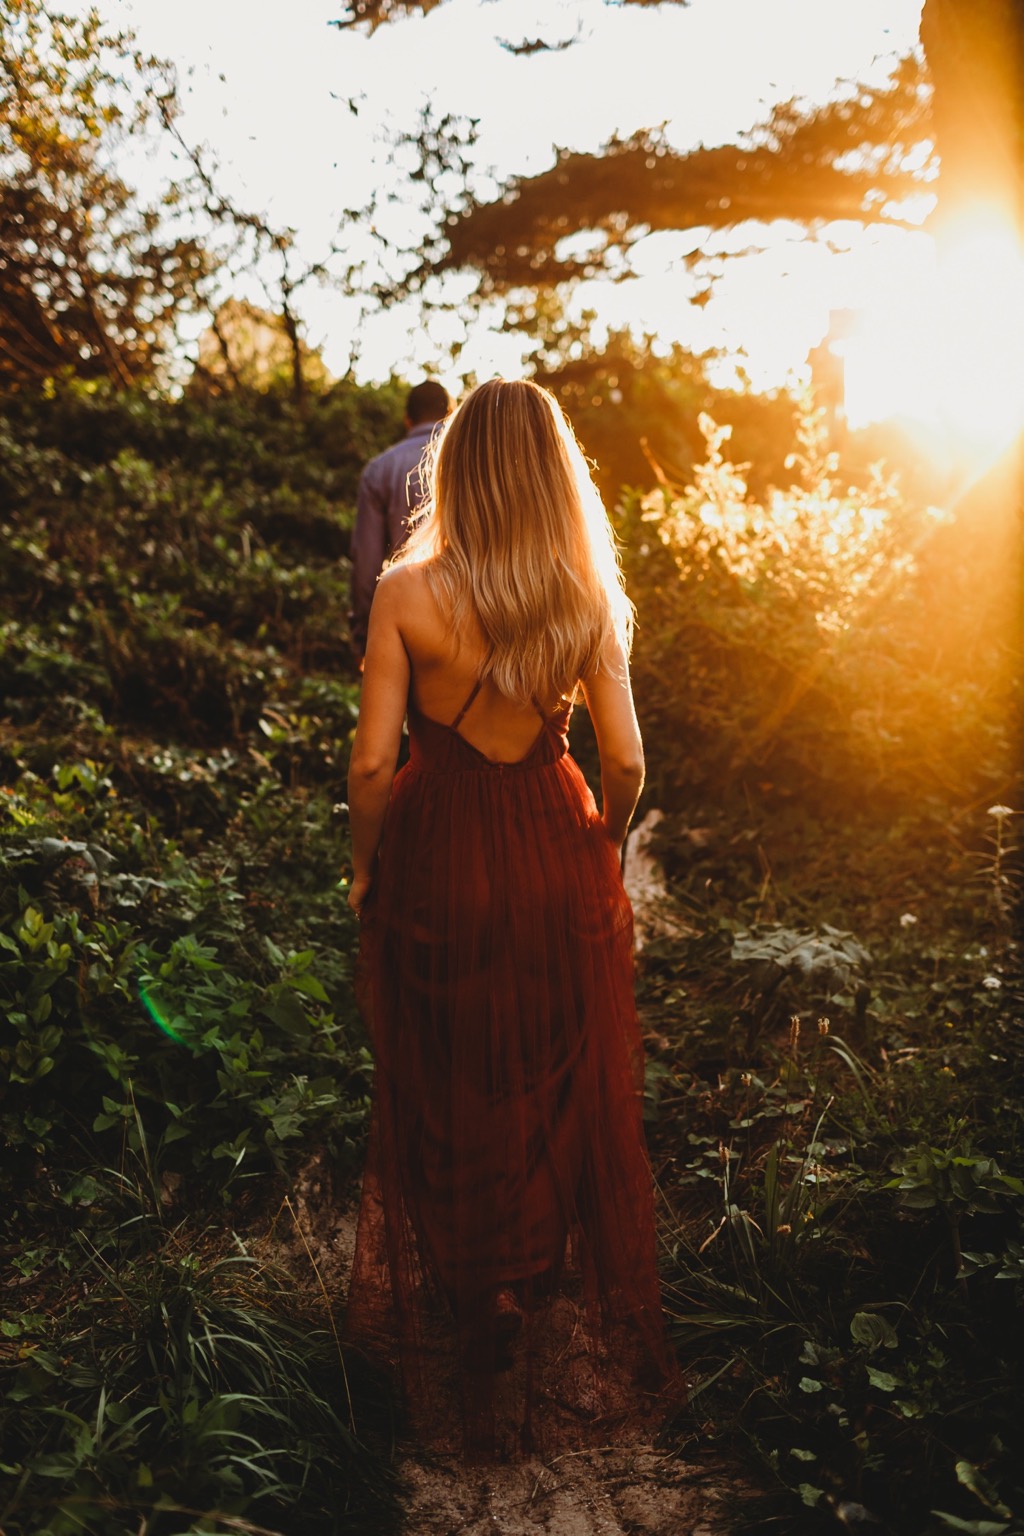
427 402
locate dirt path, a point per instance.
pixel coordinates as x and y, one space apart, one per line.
625 1489
621 1491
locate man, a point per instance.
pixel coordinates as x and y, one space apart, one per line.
390 491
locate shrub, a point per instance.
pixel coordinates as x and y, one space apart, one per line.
789 644
210 1055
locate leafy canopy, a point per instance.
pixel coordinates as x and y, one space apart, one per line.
92 279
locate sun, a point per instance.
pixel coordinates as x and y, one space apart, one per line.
948 355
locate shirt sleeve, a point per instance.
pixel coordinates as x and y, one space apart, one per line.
369 548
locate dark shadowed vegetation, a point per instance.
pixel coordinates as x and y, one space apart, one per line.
825 705
177 1022
828 678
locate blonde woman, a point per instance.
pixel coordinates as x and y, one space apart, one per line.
506 1230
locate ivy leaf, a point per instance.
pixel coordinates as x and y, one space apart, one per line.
310 986
968 1475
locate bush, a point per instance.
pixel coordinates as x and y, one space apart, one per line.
789 645
845 1255
140 1001
177 564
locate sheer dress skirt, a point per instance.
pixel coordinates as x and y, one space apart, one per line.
505 1253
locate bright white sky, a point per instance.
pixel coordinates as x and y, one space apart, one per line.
267 87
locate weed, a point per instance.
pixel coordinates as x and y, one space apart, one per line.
178 1378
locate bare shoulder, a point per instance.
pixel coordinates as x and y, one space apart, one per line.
406 604
405 596
402 588
402 576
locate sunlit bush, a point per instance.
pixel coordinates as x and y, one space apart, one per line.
788 643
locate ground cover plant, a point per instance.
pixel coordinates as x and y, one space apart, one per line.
835 1086
177 1021
836 1100
834 1022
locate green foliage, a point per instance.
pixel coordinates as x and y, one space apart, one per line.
179 564
209 1054
170 966
845 1275
178 1385
790 641
825 698
177 1021
954 1181
178 1030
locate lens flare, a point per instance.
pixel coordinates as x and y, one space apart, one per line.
159 1015
948 355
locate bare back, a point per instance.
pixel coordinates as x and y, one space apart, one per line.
445 668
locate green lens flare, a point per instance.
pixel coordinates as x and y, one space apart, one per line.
159 1016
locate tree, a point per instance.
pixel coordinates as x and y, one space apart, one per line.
635 405
374 13
855 158
93 281
849 159
251 348
845 160
975 53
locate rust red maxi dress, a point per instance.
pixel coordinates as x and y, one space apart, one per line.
505 1253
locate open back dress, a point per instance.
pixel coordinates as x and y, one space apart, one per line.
505 1253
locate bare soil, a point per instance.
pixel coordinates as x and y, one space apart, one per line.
629 1488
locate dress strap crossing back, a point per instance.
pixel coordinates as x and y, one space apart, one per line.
545 718
462 712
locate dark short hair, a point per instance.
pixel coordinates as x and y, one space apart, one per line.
428 401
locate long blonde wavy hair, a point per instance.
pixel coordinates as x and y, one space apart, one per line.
514 532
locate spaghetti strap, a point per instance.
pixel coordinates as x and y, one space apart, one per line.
462 712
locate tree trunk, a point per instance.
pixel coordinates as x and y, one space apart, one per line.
975 53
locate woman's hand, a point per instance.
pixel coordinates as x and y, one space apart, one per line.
357 892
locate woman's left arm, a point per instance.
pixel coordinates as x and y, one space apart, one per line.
379 731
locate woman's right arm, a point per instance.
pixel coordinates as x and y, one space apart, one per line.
379 731
610 702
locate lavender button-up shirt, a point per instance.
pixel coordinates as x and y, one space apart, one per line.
390 491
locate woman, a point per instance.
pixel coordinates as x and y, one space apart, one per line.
506 1231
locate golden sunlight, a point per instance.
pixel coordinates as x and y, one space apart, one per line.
948 356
